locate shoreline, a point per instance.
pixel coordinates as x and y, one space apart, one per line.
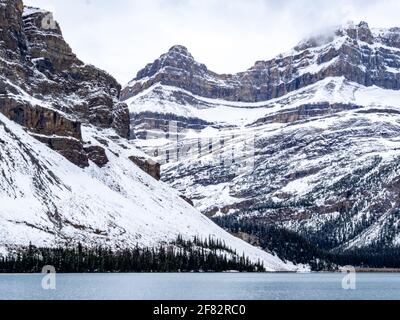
378 270
359 270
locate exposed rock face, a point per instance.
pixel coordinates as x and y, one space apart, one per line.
35 61
306 111
390 37
346 52
12 30
70 148
147 165
75 151
150 120
46 43
97 155
40 120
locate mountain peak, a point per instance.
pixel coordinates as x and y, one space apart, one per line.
360 31
363 24
352 25
172 64
178 48
177 52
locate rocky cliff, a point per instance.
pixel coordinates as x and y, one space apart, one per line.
47 89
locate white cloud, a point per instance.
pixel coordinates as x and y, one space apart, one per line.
122 36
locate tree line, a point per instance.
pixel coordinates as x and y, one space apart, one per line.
183 256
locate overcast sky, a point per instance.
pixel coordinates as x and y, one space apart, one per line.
122 36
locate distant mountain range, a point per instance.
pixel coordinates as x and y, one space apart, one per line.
308 141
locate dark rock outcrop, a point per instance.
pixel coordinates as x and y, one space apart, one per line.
70 148
97 155
147 165
75 152
40 120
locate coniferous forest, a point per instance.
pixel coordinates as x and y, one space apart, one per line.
183 256
290 246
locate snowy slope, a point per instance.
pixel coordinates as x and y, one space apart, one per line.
48 201
65 172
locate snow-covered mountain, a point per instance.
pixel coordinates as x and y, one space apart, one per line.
309 140
68 173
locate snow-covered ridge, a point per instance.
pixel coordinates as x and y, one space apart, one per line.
161 99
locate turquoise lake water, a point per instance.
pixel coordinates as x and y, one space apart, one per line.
201 286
